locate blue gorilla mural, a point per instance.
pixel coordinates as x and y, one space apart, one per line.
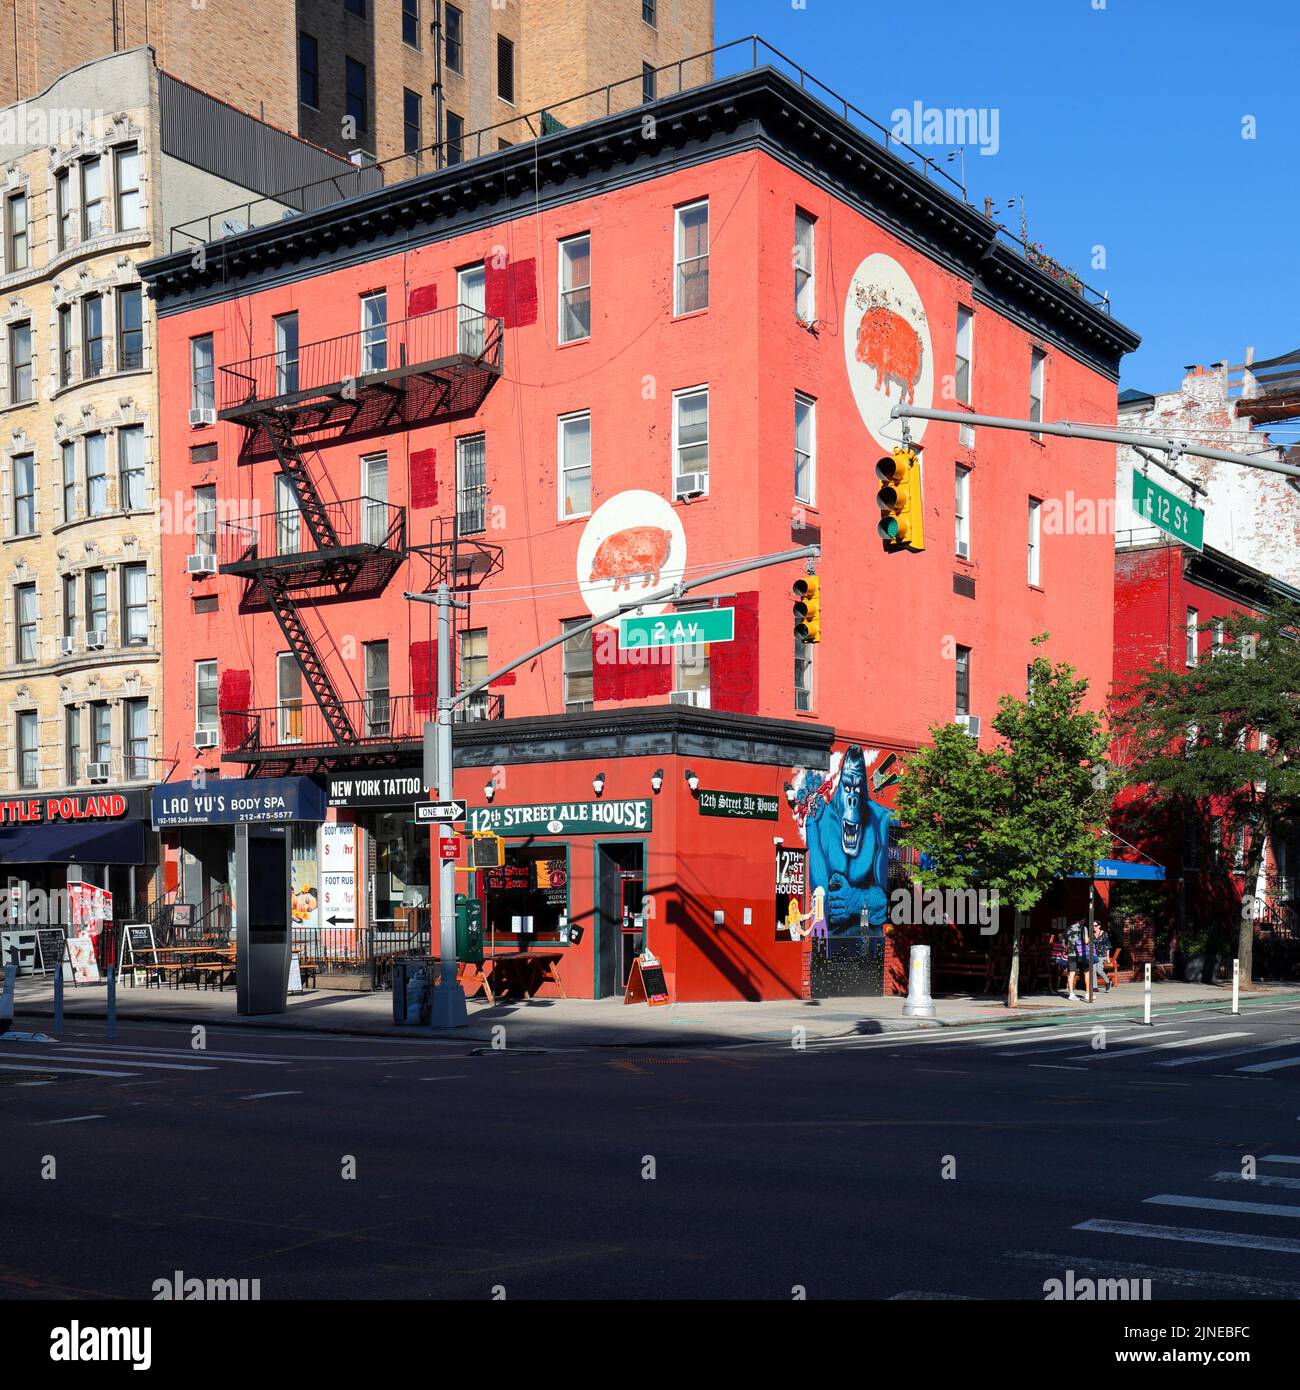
848 851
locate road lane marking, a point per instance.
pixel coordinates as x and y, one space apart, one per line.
1263 1179
71 1120
1125 1029
1281 1158
57 1066
1272 1066
266 1095
1283 1244
1070 1047
1166 1274
1055 1066
112 1048
1166 1199
1160 1047
1232 1052
134 1061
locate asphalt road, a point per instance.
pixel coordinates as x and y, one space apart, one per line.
978 1163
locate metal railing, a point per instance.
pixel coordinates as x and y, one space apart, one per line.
458 333
285 535
299 726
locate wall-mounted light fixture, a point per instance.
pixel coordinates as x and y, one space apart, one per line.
490 790
657 780
692 781
789 795
598 784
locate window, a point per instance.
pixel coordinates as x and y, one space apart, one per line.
575 288
1219 638
135 728
411 22
126 172
203 382
24 467
578 684
963 680
374 493
20 362
691 281
205 520
647 82
805 284
691 438
505 69
691 671
374 332
63 209
72 744
130 468
355 88
25 622
308 70
805 448
64 317
92 335
286 354
575 464
68 458
356 7
961 377
92 198
1037 359
803 674
288 517
135 606
16 235
101 731
453 43
69 605
96 475
648 12
1193 628
410 120
1035 540
961 507
471 298
97 603
455 150
26 747
471 485
378 720
130 330
473 668
205 695
288 685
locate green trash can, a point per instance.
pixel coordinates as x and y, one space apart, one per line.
469 930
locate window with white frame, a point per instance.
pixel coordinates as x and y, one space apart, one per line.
205 520
126 169
63 317
374 331
63 229
1037 373
965 336
130 464
130 329
378 709
68 462
205 696
288 687
24 623
691 440
69 606
471 485
24 476
101 732
961 510
1193 629
72 744
97 603
20 363
374 498
574 464
691 258
135 606
286 353
203 383
578 668
805 283
92 198
135 739
17 244
803 674
26 748
575 288
473 668
805 448
471 301
92 335
1035 540
962 681
691 670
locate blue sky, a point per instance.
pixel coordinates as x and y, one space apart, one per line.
1120 126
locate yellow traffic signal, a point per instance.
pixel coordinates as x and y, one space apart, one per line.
486 850
808 609
899 499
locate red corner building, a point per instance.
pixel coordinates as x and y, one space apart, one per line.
563 374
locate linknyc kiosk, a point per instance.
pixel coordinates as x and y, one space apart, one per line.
262 916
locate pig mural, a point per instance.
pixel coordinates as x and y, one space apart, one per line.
889 344
637 550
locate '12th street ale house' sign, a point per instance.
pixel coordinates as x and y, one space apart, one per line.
563 817
744 805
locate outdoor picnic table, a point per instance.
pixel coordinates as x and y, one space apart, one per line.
512 970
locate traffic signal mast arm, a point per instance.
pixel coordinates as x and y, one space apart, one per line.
1070 431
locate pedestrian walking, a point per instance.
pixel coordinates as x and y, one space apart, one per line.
1076 949
1101 954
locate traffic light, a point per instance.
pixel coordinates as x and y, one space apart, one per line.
899 500
808 609
486 850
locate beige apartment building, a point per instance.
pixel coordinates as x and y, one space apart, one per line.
387 78
94 169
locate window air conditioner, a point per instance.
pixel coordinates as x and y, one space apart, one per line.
969 722
95 641
205 738
67 645
97 772
691 485
201 564
204 416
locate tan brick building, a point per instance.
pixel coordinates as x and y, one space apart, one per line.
387 77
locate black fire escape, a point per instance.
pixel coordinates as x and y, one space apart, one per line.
313 549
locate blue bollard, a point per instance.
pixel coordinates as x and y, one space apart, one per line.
58 1001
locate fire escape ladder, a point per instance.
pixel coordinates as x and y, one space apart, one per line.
309 659
279 430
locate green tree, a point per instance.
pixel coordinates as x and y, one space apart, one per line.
1226 733
1016 817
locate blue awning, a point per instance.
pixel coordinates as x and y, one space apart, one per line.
1125 868
120 843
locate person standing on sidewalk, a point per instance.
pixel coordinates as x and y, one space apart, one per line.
1076 946
1101 954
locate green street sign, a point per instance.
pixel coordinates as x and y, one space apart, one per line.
740 805
678 629
1171 514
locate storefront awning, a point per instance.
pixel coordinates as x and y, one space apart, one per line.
1125 868
122 843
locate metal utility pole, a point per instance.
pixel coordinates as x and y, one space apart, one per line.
449 1009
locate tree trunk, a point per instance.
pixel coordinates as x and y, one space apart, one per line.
1013 979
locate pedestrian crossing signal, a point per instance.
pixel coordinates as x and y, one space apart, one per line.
899 498
808 609
486 850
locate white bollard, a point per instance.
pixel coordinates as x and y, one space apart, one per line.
919 1004
1146 995
1236 986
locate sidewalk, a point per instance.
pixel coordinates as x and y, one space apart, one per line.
565 1023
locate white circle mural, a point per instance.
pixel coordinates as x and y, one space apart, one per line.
632 544
887 347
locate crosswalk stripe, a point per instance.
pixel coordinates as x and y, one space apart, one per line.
58 1066
1218 1204
1280 1158
1071 1047
1272 1066
134 1061
257 1060
1263 1179
1283 1244
1231 1052
1160 1047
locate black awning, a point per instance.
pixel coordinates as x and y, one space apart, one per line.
120 843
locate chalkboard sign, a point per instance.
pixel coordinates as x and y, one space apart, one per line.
53 945
646 983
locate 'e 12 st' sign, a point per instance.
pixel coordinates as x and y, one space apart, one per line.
1170 513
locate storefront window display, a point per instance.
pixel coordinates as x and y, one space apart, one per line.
526 900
